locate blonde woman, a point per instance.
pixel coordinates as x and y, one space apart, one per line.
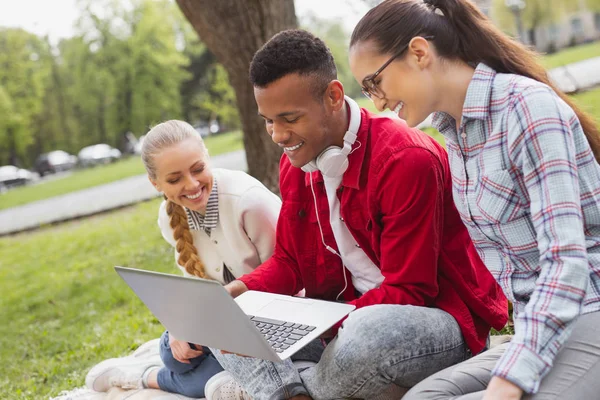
221 224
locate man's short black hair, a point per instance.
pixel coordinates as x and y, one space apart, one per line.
293 51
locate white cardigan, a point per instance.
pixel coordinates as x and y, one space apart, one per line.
244 236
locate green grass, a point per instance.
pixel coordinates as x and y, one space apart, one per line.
571 55
590 102
86 178
64 308
224 143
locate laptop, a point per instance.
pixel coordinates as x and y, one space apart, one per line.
263 325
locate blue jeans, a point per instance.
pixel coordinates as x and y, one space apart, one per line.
376 346
186 379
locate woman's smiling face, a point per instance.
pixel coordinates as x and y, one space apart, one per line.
183 174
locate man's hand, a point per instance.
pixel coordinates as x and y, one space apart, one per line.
328 334
236 288
237 354
182 351
501 389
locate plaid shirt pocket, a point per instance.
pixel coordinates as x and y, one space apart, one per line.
497 198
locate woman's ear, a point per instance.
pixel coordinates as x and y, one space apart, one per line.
420 51
156 186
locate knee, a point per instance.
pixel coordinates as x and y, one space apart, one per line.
365 335
375 331
371 324
166 355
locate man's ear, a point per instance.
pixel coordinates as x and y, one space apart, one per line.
334 95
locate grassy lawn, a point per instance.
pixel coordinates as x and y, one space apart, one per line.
571 55
86 178
67 307
590 102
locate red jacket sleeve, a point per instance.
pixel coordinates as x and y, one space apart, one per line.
410 191
279 274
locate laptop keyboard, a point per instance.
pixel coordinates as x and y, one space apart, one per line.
281 334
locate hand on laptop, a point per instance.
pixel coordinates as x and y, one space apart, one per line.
182 351
236 288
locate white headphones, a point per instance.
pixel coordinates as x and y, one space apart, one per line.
333 161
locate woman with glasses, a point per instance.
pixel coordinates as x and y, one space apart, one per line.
526 181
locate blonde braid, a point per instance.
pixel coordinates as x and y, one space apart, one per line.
188 254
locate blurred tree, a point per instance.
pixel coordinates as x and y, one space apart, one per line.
536 13
234 30
338 40
131 64
22 77
207 94
157 64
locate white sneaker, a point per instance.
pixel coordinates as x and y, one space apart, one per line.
124 372
222 386
148 349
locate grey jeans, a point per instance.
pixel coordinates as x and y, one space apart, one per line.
575 374
376 346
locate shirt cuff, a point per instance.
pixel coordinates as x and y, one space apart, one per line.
522 367
252 283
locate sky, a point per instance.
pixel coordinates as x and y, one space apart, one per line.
56 17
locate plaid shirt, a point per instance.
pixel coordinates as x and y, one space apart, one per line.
527 187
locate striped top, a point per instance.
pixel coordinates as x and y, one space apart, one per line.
209 220
527 187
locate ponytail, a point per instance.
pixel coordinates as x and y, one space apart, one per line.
461 32
188 254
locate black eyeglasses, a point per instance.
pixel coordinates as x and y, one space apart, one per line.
369 87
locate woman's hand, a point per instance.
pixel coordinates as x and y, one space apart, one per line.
182 351
501 389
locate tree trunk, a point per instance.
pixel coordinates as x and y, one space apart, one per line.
234 30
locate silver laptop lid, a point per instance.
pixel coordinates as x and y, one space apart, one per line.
191 309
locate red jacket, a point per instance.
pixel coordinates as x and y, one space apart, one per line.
396 199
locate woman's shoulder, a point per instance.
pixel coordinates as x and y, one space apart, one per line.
516 88
235 183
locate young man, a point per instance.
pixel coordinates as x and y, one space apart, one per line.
382 234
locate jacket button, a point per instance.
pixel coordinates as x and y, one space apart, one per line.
302 213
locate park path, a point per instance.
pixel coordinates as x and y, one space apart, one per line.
94 200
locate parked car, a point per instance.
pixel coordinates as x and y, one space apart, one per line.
206 129
55 161
11 176
98 154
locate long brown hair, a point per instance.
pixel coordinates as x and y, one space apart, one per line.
461 31
160 137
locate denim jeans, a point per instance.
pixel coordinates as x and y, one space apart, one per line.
574 375
186 379
376 346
